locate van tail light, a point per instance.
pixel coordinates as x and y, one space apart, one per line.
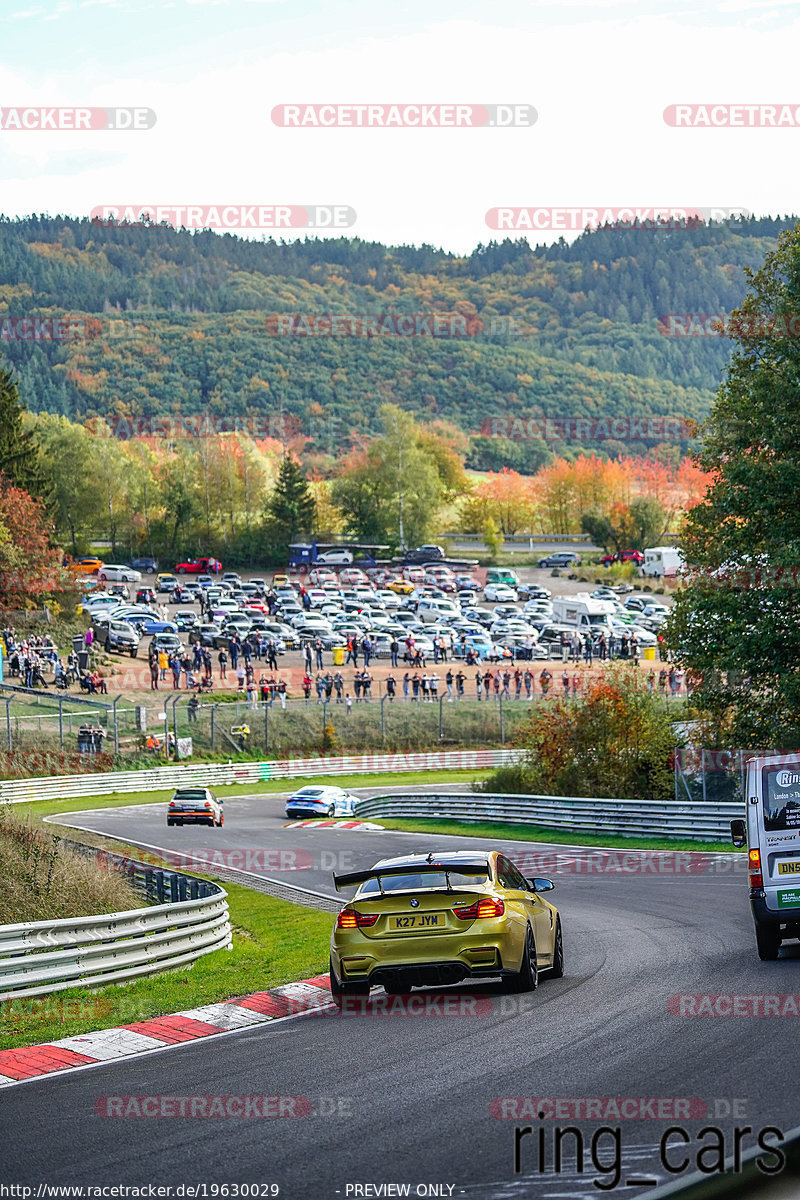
350 919
487 907
756 879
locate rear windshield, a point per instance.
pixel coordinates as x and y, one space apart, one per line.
191 796
310 792
414 883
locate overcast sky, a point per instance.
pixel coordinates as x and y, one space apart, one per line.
599 76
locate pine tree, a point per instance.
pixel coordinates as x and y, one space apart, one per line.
291 508
20 456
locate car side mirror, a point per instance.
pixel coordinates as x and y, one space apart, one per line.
738 833
541 885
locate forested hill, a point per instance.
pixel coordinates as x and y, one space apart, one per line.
188 323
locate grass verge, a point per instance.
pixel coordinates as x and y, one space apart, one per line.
536 833
274 942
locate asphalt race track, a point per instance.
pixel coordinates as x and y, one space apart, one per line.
408 1099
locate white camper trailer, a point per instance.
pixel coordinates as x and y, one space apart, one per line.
583 612
662 560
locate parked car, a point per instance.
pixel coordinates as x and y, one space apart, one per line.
150 625
186 619
500 593
337 554
166 582
626 556
121 635
198 566
117 571
561 558
145 596
87 566
167 641
147 565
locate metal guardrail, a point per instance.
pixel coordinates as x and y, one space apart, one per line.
631 818
106 783
41 957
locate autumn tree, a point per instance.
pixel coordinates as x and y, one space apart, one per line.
737 626
290 509
30 566
616 741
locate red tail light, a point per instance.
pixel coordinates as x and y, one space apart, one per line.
487 907
348 918
756 880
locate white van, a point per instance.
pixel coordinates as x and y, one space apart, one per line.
662 560
583 611
771 831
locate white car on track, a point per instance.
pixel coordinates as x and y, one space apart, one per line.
318 800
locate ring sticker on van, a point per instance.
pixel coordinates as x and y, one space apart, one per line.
781 799
789 899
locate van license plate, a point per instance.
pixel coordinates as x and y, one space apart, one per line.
789 868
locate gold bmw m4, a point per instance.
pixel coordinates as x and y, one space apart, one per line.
441 918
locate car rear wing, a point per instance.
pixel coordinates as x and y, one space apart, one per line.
440 866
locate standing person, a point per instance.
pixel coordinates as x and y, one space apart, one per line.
328 681
433 686
527 679
588 649
366 686
252 692
602 648
338 684
487 683
449 683
651 680
478 685
424 685
544 681
406 685
272 655
391 683
352 650
366 647
222 659
575 647
612 645
624 645
357 686
662 681
415 685
565 682
634 648
507 685
153 673
498 676
318 650
565 647
576 683
308 657
320 687
460 681
394 648
517 683
307 687
240 676
233 646
163 663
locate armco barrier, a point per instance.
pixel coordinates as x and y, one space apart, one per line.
631 818
41 957
64 787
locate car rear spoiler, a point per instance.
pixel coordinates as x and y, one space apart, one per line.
355 878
